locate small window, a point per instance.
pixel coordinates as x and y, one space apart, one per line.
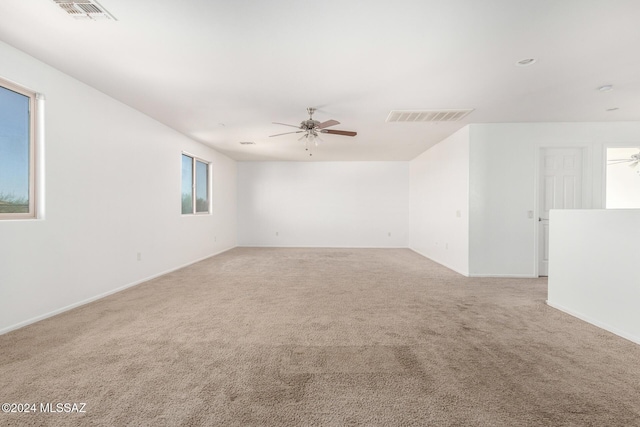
17 152
195 186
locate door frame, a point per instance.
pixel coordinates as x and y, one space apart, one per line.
587 184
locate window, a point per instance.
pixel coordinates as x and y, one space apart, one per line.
195 185
17 152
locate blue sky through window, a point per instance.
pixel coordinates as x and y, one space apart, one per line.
14 144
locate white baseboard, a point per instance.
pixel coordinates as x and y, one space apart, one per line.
594 322
464 273
512 276
322 247
102 295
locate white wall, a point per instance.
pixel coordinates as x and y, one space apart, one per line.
439 202
503 186
593 270
112 190
323 204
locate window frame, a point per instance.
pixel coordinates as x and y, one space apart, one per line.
34 120
194 183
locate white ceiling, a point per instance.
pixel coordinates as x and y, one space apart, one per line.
222 71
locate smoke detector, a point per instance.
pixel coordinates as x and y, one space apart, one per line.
84 9
526 62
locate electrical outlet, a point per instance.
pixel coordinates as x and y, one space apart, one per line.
277 234
139 256
389 234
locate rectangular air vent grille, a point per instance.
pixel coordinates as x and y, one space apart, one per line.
427 115
84 9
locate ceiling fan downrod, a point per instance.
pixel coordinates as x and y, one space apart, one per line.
311 110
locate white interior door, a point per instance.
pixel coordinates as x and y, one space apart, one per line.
560 188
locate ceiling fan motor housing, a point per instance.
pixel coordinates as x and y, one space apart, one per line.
309 124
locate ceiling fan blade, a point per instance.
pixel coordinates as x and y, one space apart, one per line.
284 124
286 133
327 124
634 164
615 162
339 132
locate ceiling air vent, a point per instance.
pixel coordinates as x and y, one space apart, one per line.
84 9
427 115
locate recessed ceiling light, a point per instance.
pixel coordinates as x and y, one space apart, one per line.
606 88
525 62
612 109
247 143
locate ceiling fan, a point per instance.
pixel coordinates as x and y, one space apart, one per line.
311 128
633 160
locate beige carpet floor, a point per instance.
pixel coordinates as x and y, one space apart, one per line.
322 337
